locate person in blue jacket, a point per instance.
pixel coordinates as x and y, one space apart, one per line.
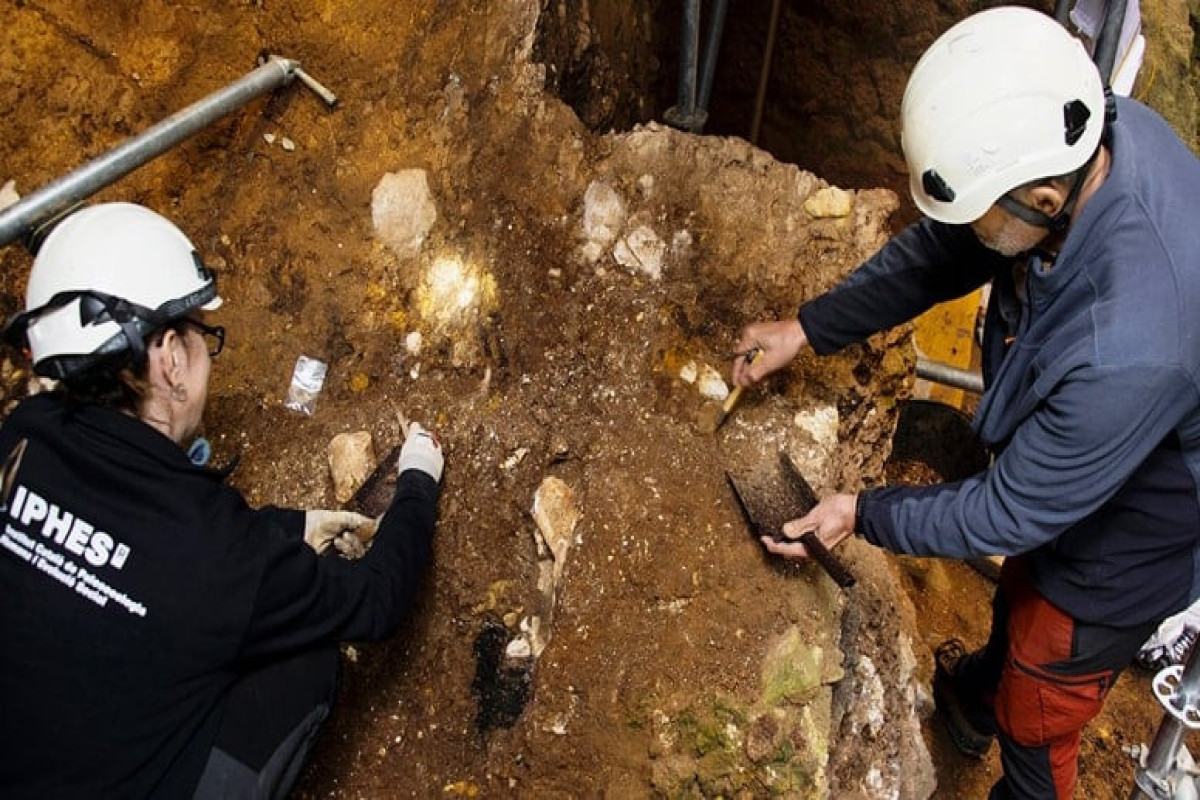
1084 213
160 637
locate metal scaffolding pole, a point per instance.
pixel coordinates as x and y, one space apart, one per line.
43 205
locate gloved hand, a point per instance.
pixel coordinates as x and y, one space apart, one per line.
421 451
347 532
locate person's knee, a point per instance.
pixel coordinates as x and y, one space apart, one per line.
272 720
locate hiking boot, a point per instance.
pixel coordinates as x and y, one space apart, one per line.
970 723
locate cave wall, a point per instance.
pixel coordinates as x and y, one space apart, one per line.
602 58
837 75
836 79
1170 78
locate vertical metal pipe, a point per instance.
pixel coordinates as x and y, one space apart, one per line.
712 45
1062 11
1109 39
1160 761
1149 782
85 181
689 48
765 73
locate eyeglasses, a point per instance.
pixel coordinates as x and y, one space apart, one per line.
216 332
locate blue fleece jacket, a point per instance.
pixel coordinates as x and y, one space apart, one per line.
1093 389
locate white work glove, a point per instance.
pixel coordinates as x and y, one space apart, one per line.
421 451
347 532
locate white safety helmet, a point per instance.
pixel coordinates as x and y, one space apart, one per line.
1005 97
105 278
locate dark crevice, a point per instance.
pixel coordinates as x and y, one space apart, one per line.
831 104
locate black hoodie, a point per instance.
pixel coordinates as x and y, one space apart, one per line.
136 588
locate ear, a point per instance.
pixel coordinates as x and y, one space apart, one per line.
167 361
1047 198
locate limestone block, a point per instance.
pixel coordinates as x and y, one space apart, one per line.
556 515
603 219
351 460
641 251
403 211
829 202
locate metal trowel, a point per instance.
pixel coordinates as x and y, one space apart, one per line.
773 494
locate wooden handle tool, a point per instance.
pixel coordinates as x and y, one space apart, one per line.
736 394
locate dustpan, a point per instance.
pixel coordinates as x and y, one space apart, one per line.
774 493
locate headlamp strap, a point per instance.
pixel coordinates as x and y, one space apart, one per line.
94 307
1060 221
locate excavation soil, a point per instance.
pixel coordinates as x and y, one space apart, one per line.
573 368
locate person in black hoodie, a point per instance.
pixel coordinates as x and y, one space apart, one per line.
160 637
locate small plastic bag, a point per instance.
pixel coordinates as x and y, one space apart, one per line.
307 379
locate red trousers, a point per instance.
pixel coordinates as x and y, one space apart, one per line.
1054 674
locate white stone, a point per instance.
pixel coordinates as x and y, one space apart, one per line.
711 384
821 423
269 138
603 219
516 458
868 712
531 628
403 211
641 251
556 516
351 460
829 202
8 195
518 648
529 643
287 144
412 343
688 372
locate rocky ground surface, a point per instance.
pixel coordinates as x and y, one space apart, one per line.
559 305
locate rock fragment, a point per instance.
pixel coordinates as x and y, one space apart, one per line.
603 219
641 251
711 385
351 460
403 211
556 516
8 194
829 202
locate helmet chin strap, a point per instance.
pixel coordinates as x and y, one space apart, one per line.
1060 221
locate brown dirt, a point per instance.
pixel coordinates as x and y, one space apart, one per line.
667 602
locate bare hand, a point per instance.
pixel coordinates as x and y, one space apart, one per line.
776 343
832 519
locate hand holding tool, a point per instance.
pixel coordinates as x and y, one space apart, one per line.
770 497
346 531
421 451
710 422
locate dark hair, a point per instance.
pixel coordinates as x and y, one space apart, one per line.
118 382
1067 177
